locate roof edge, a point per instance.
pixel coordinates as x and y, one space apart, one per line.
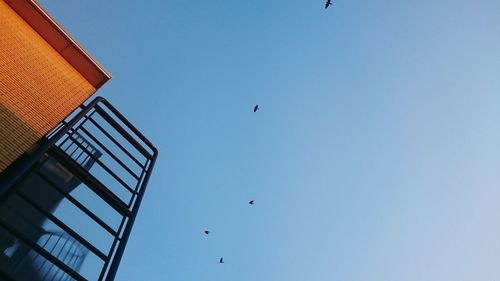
61 41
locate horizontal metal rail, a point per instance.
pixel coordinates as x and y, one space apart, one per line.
64 227
110 153
41 251
80 206
110 172
100 189
116 143
122 131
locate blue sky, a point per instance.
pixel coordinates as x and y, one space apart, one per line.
375 155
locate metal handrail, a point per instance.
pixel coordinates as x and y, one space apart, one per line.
68 130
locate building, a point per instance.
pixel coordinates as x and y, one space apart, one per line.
73 169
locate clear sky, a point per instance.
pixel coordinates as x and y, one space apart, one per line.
375 155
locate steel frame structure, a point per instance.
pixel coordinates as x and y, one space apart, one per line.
96 135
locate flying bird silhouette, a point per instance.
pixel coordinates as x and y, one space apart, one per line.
256 107
251 202
221 260
207 232
328 4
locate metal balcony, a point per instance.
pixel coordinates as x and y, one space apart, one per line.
67 207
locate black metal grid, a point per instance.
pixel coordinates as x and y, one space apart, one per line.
102 150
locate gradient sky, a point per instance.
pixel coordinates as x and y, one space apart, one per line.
375 156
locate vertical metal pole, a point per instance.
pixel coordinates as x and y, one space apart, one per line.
121 247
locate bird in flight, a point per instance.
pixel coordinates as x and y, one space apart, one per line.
221 260
207 232
256 107
328 4
251 202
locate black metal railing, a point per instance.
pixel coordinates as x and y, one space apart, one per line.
84 183
60 245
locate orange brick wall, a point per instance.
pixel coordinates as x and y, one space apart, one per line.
38 87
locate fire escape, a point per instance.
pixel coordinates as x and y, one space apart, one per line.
67 207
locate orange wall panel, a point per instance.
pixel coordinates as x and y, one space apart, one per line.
38 87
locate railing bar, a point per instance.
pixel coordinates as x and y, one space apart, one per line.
92 148
64 123
81 153
50 266
55 245
116 142
130 223
130 126
45 260
67 252
137 187
64 142
80 257
79 205
70 262
143 174
73 254
78 159
111 250
123 132
84 162
100 189
85 118
19 264
62 248
72 266
72 130
48 239
109 170
44 145
56 276
57 128
110 153
76 148
63 226
42 251
67 278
